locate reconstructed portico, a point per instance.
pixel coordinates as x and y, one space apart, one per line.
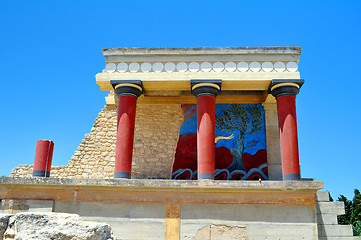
188 114
234 75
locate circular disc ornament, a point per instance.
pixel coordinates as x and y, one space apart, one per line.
157 67
206 66
255 66
146 67
193 67
122 67
110 67
292 66
230 67
169 67
134 67
182 67
242 66
218 67
280 66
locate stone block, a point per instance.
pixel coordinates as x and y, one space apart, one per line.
42 226
327 219
337 208
335 230
339 238
322 196
4 220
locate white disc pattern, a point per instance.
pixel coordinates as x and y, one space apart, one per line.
254 66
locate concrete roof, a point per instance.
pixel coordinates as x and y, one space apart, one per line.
201 51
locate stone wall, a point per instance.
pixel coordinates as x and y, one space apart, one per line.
155 140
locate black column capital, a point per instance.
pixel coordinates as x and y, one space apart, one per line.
279 87
127 87
206 87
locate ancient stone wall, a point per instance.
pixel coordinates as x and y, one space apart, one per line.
155 140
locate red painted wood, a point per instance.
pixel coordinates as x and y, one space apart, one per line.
43 155
286 106
205 133
125 133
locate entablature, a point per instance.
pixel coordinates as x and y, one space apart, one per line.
246 72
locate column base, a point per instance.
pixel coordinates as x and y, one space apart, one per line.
205 176
292 177
125 175
39 173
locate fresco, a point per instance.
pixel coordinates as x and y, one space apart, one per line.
240 143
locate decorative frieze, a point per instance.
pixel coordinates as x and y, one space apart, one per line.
218 67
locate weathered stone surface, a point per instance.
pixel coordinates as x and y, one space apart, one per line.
220 232
59 226
4 220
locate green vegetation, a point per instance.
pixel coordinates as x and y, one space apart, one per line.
353 212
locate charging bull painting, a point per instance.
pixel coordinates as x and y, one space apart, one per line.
240 143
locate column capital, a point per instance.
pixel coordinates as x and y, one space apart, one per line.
127 87
279 87
210 87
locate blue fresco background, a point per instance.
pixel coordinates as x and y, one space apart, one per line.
190 126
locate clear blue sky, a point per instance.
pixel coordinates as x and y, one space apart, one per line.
51 50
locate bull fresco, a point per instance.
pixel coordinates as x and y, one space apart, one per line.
240 143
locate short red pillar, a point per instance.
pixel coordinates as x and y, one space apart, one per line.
285 93
43 158
128 94
206 93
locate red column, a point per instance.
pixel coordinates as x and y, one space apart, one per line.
286 107
43 158
206 92
285 93
125 136
205 136
128 93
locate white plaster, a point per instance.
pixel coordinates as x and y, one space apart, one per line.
206 66
122 67
292 66
134 67
267 66
280 66
110 67
157 67
169 67
193 67
230 67
242 66
255 66
182 67
218 67
146 67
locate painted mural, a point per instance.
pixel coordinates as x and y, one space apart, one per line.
240 143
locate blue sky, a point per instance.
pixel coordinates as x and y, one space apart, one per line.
51 50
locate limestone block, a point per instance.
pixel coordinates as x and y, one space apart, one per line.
55 226
339 238
322 196
327 219
221 232
335 230
4 220
337 208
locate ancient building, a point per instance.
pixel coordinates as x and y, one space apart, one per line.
222 118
